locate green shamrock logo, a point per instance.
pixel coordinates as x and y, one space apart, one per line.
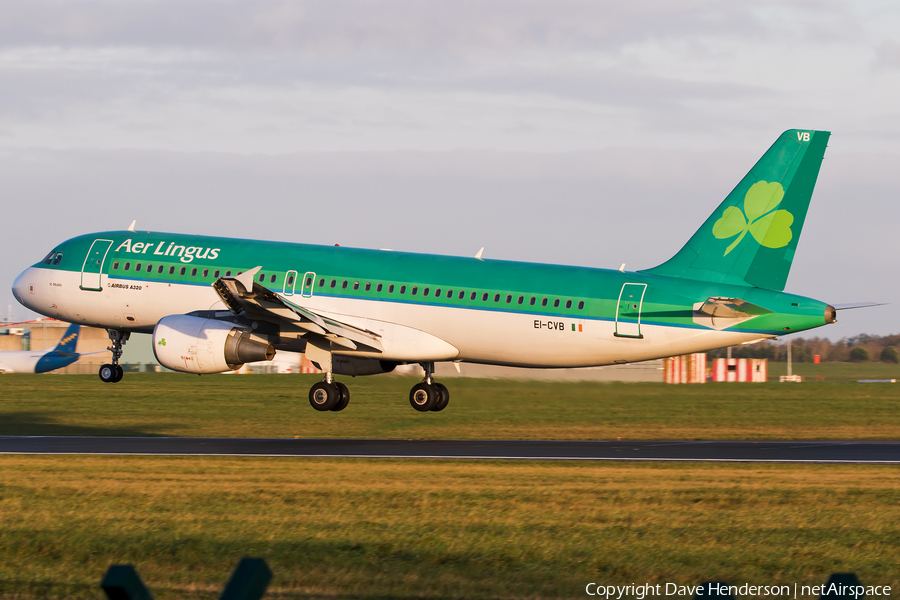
770 227
161 342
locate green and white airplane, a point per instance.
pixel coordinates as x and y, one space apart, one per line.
214 303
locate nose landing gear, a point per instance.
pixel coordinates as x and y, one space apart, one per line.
113 373
429 395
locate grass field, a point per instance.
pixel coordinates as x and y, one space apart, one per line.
277 406
437 529
440 529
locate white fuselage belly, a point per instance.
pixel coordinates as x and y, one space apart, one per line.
473 335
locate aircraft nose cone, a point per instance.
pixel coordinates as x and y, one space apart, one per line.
23 288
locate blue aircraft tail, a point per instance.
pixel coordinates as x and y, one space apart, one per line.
69 340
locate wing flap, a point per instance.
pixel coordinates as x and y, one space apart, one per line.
243 295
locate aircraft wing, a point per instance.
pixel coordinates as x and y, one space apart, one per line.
243 295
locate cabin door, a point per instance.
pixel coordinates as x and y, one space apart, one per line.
93 265
628 313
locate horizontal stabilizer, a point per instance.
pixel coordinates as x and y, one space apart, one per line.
720 313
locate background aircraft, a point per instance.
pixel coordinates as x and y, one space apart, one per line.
42 361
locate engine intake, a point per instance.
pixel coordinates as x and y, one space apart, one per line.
199 345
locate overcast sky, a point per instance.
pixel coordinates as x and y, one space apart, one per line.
586 133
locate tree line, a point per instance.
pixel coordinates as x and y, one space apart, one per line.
858 348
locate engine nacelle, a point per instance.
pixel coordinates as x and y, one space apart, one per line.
198 345
355 365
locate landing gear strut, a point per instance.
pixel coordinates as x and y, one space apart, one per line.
329 394
113 373
429 395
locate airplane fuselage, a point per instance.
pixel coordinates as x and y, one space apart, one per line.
423 307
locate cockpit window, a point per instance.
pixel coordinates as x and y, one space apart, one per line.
53 258
57 258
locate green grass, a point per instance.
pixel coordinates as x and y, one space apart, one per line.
849 372
437 529
277 406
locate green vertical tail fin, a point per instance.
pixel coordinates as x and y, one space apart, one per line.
751 238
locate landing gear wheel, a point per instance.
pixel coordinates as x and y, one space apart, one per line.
443 397
120 373
423 397
344 399
324 396
108 373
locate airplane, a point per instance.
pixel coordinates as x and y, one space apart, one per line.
214 303
43 361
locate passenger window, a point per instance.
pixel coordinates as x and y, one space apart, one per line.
290 280
309 282
322 282
171 270
391 289
556 303
194 272
508 298
137 267
521 299
271 279
183 270
425 291
115 265
57 258
262 277
206 272
127 266
532 301
344 285
581 305
227 273
378 288
462 294
333 282
368 286
544 302
496 297
216 273
402 289
160 269
355 285
484 297
437 293
149 268
450 294
472 296
415 290
568 304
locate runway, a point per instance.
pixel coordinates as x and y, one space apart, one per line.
878 452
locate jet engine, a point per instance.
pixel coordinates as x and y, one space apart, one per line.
198 345
356 365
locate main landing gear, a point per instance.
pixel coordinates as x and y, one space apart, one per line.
429 395
329 395
113 373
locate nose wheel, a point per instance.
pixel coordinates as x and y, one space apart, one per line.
429 396
113 373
